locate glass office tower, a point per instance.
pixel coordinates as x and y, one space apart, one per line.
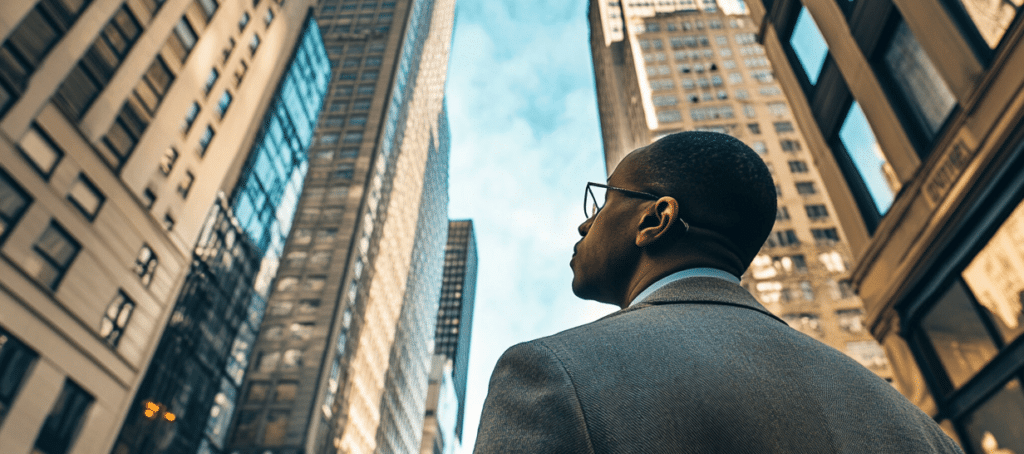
187 398
455 314
342 360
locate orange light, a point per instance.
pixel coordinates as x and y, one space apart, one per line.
169 416
150 406
149 413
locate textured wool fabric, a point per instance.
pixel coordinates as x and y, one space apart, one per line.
698 367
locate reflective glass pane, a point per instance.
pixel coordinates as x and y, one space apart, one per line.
929 97
808 45
867 157
991 18
996 276
958 336
997 426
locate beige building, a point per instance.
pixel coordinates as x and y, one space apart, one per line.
687 65
121 123
931 92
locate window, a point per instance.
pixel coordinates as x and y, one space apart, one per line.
185 185
361 105
190 117
357 120
54 251
805 188
777 108
759 147
996 279
825 235
799 262
15 361
958 335
353 137
329 139
65 419
301 331
292 359
145 264
993 427
369 75
243 21
223 103
168 160
269 17
168 222
851 320
211 79
809 46
858 140
782 214
816 212
267 361
98 64
183 39
40 151
276 427
798 167
665 100
124 134
116 318
782 238
254 43
789 145
13 203
924 92
84 196
807 290
366 89
754 128
285 391
669 116
783 126
148 198
209 7
204 140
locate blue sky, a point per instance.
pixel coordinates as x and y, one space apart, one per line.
525 140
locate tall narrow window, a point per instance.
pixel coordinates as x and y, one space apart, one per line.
925 92
54 251
15 360
116 318
183 39
84 196
190 117
185 185
809 46
154 85
40 150
168 160
145 264
204 140
254 43
13 203
125 133
65 419
223 103
858 140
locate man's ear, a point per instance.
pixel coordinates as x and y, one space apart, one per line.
656 221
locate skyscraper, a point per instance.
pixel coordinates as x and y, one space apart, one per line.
342 360
914 111
121 123
455 315
200 360
685 65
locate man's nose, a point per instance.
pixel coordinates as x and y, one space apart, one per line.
585 226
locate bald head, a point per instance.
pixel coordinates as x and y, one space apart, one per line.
722 186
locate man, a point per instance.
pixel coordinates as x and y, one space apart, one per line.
692 363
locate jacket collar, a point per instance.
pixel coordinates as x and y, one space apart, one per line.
700 290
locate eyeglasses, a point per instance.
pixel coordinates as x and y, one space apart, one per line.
595 195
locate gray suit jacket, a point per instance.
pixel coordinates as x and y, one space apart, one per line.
697 367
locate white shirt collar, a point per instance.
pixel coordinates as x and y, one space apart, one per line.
684 274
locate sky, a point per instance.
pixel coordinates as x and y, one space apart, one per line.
525 141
